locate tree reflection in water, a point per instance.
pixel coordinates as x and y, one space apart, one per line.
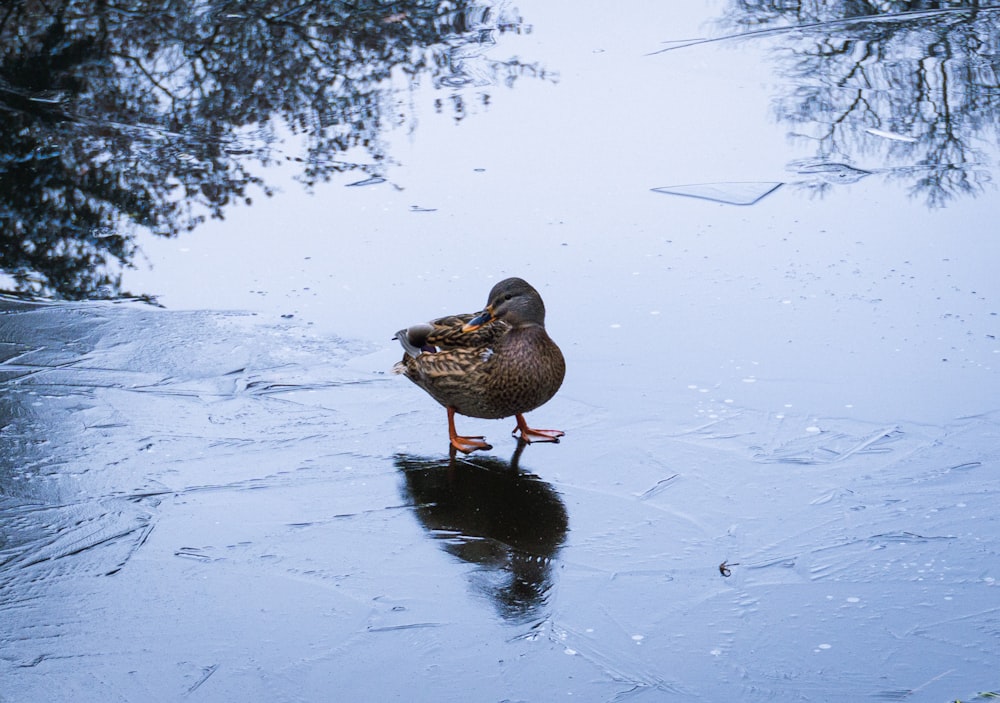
905 87
488 512
117 115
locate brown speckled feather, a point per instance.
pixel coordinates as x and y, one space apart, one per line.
498 370
447 333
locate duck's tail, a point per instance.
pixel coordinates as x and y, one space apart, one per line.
414 339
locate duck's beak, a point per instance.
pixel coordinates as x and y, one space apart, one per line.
479 320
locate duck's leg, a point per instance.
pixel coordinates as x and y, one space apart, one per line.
530 435
464 444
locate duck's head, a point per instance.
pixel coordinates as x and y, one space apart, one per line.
514 301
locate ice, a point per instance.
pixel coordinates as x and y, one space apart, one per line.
764 450
731 193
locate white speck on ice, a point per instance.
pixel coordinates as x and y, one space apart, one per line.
812 429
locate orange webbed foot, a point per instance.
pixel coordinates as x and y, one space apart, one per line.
464 444
469 444
530 435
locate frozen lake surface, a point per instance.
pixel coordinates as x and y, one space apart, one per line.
767 246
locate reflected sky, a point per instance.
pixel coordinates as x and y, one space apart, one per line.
156 120
159 116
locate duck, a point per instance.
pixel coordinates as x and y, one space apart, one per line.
493 364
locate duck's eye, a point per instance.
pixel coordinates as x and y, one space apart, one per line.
508 296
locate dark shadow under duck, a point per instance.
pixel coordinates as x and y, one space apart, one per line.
498 363
485 511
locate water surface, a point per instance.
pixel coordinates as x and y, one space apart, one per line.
765 240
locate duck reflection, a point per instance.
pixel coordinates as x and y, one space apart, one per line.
487 511
906 86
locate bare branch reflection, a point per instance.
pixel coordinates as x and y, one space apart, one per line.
118 115
904 88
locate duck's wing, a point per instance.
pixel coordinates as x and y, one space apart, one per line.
453 377
447 334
